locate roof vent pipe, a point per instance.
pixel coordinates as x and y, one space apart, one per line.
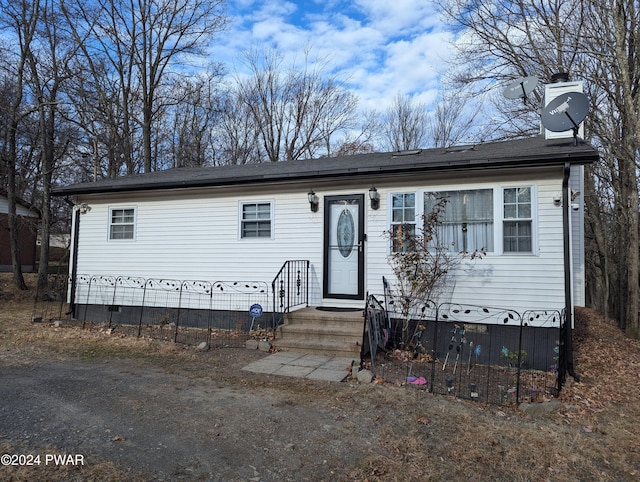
560 77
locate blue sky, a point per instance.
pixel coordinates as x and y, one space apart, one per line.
378 47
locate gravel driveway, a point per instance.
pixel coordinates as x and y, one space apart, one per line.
170 427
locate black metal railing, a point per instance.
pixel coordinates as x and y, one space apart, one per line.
494 355
290 288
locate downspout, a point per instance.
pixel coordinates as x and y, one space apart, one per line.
568 278
74 257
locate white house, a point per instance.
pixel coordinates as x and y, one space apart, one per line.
517 199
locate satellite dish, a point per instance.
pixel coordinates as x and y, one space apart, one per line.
565 112
521 88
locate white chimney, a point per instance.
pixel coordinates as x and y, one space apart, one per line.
559 85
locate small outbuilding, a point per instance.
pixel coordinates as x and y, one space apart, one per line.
28 218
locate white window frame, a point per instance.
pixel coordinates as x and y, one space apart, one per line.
110 223
533 219
498 213
417 210
241 219
467 189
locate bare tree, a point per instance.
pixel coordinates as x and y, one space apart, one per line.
187 130
20 20
104 91
405 124
424 265
362 140
613 66
145 46
48 75
598 42
295 112
236 135
452 121
506 40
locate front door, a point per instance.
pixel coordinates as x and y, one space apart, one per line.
344 246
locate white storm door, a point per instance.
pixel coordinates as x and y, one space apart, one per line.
344 247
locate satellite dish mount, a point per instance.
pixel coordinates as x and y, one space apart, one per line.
566 112
521 88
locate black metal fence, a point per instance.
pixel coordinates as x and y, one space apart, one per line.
494 355
220 313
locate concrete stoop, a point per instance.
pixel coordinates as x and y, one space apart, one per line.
317 332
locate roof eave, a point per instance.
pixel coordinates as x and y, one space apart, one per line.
386 170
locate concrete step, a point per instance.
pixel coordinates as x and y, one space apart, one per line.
318 332
313 316
332 333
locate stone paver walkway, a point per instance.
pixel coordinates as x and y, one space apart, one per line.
315 367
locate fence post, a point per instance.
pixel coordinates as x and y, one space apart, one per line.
144 298
519 361
434 351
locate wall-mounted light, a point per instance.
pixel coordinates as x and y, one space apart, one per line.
313 201
83 208
374 197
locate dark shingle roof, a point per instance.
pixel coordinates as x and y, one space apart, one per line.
530 152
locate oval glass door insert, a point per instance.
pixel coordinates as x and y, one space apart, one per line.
346 233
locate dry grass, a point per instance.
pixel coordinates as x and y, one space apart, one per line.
413 435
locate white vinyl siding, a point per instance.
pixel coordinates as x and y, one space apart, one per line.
20 209
519 281
194 235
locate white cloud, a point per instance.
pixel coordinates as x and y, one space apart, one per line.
379 47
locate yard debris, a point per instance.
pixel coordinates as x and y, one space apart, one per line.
606 376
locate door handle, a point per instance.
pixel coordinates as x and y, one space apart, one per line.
360 246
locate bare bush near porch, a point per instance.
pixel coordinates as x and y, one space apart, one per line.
423 265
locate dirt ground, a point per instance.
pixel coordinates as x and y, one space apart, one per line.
90 405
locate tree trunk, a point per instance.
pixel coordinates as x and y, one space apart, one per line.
16 262
632 258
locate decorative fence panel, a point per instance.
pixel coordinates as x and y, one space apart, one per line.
494 355
183 311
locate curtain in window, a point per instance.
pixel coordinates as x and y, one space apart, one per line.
467 221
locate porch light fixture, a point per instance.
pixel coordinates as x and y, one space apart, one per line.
374 197
313 201
83 208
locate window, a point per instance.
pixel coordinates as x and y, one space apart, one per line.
121 223
403 221
517 224
467 221
256 220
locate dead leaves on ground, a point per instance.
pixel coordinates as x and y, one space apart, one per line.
608 363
